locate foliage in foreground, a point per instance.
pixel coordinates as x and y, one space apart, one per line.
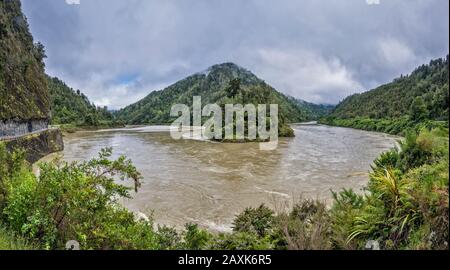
9 241
405 207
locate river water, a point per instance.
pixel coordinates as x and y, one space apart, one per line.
209 183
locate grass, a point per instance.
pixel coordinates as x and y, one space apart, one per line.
9 241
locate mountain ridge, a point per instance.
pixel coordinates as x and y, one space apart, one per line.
211 84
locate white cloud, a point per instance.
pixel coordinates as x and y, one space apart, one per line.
73 2
396 53
307 75
316 50
373 2
103 92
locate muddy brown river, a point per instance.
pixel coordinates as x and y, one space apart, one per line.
209 183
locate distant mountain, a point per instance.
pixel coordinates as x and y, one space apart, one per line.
212 86
23 86
73 107
393 100
315 111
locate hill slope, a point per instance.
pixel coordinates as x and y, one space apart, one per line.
315 111
73 107
212 86
409 100
395 99
23 86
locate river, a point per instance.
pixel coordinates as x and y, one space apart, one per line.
209 183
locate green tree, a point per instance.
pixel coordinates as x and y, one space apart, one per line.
255 220
418 109
233 88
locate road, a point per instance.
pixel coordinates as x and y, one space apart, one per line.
9 138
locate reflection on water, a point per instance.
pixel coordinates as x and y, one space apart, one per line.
209 183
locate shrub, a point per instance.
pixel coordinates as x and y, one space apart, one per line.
407 206
347 206
259 221
240 241
195 238
307 227
12 165
10 241
77 201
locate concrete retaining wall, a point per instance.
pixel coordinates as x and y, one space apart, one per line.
37 145
12 128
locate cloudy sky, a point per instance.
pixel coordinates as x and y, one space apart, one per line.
118 51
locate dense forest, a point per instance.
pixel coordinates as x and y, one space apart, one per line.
419 98
70 107
23 86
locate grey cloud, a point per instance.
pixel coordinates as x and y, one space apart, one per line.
319 51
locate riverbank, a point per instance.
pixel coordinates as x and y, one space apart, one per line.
70 128
397 126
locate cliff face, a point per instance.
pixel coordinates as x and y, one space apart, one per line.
24 95
37 145
23 87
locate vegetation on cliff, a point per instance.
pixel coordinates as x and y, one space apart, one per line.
23 86
25 91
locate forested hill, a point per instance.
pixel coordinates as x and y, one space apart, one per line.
219 84
73 107
420 98
23 86
315 111
392 100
